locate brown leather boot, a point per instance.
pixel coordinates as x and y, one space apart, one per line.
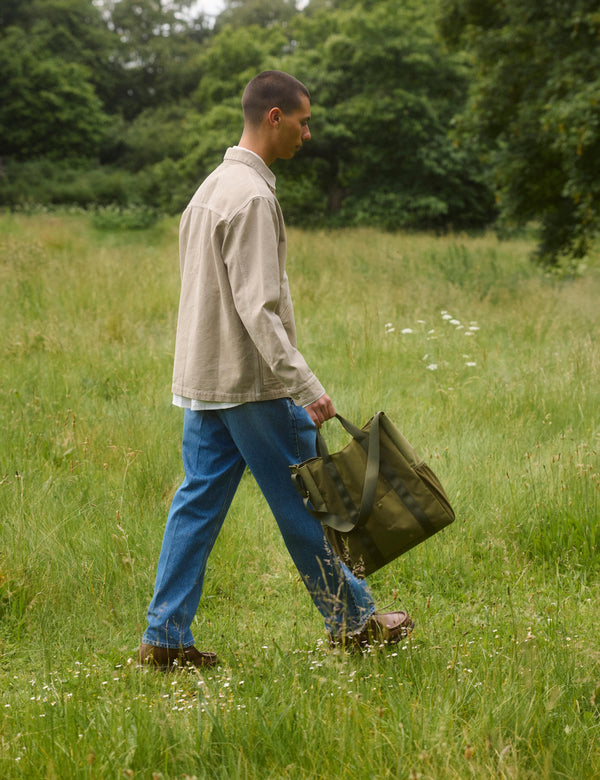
382 628
171 658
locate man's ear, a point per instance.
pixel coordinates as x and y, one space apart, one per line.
274 117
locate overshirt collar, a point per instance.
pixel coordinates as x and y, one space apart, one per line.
239 154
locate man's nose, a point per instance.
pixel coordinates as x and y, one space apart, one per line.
306 134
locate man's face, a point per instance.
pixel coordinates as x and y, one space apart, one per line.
293 130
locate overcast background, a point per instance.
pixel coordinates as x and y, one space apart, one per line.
214 7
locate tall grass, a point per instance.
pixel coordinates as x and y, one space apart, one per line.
488 366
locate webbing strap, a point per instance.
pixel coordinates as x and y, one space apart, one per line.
358 517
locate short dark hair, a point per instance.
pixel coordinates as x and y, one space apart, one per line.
269 89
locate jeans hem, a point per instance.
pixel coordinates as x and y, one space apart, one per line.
345 631
180 646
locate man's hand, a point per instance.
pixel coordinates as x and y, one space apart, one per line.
320 410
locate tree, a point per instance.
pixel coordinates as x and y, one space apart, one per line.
264 13
14 12
384 95
534 110
155 46
48 108
73 31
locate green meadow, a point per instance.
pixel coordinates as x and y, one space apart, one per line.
488 365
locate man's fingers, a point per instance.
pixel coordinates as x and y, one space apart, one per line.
321 410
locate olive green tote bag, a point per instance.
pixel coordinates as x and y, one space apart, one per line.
376 498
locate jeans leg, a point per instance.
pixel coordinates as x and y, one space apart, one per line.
271 435
213 469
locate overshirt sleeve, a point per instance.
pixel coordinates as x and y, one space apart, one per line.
261 296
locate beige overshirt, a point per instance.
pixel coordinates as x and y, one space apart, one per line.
236 335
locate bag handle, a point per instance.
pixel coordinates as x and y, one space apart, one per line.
370 442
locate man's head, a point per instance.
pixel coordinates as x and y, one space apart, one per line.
276 112
269 89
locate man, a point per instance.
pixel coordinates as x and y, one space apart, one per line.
250 398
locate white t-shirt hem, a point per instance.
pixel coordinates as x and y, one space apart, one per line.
201 406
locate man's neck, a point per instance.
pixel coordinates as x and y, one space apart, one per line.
258 146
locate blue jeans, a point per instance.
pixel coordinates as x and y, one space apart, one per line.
267 436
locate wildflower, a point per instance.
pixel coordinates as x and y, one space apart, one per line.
407 331
470 363
432 367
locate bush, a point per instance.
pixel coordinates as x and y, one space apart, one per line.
65 183
129 218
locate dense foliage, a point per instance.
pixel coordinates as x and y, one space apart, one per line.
132 102
535 108
387 93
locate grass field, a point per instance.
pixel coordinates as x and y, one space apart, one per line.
488 366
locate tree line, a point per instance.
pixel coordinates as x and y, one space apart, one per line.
427 114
